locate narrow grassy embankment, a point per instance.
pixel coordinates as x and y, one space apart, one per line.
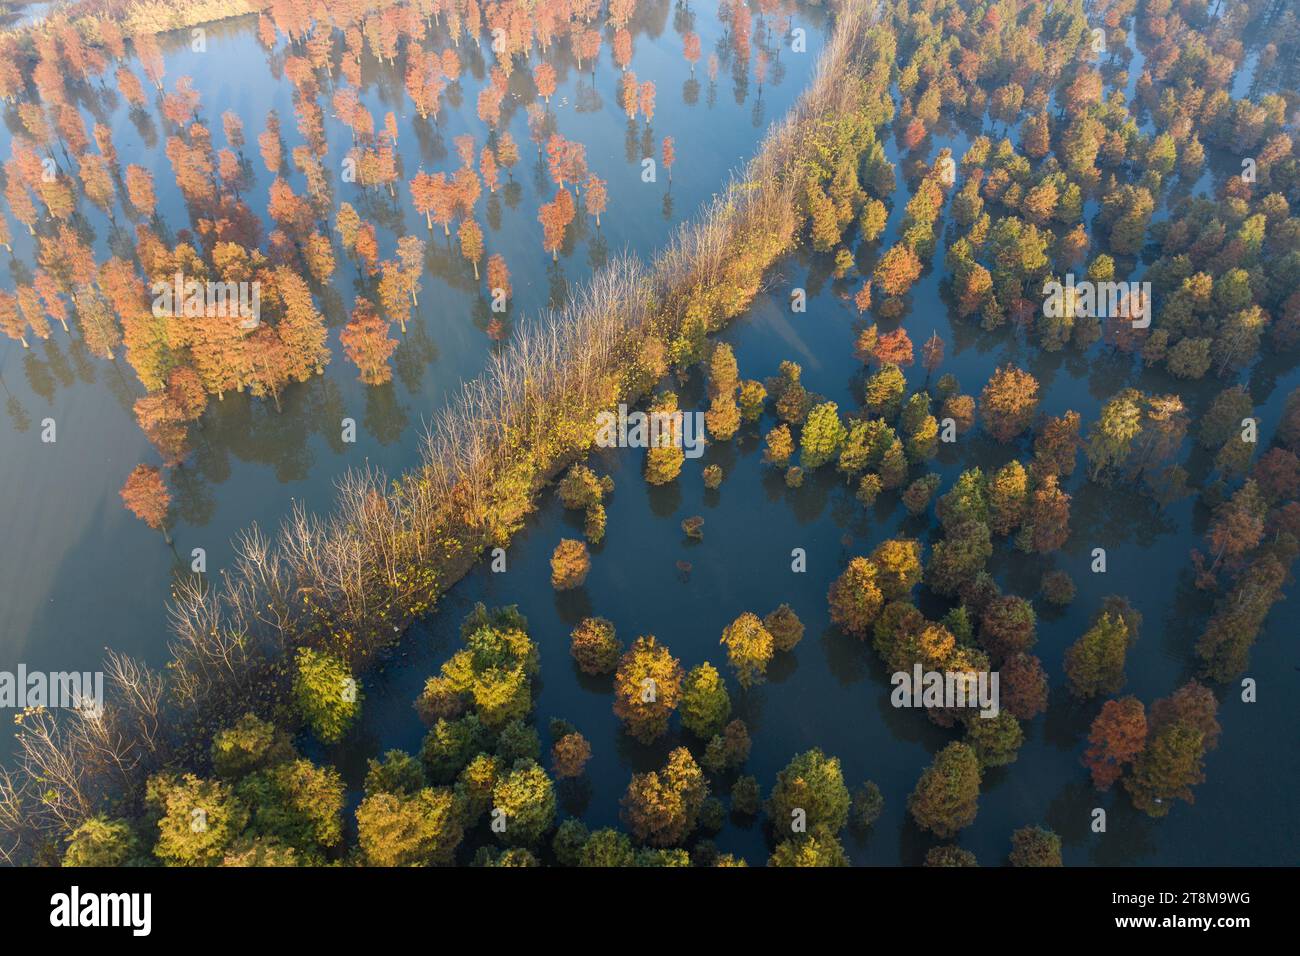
353 581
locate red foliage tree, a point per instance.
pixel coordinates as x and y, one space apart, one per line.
932 353
1117 736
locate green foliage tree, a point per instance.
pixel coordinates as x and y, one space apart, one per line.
248 745
966 500
198 819
1008 493
819 849
662 808
855 597
647 688
518 741
608 848
898 567
582 490
1111 438
475 784
1094 664
705 705
1035 846
941 856
325 693
868 802
885 390
823 434
494 670
524 800
397 772
995 740
785 627
753 396
595 647
664 460
810 794
946 797
101 841
749 648
746 797
420 829
296 804
450 745
780 446
959 557
1167 768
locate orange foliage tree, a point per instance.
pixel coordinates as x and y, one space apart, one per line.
471 243
555 217
367 344
544 77
1008 402
596 197
894 348
146 496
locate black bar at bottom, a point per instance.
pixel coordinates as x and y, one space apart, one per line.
336 904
